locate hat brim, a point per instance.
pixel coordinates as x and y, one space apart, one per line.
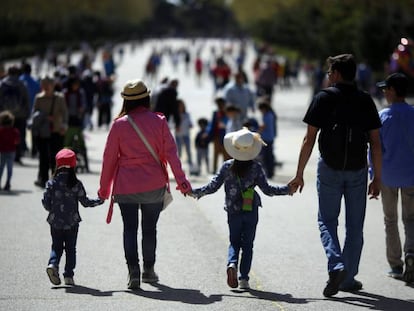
241 155
135 96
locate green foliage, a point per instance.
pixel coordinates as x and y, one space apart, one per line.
370 29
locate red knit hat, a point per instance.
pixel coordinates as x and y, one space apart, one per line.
65 158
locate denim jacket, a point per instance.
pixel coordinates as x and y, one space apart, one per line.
234 186
62 202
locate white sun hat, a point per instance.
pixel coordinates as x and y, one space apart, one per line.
243 145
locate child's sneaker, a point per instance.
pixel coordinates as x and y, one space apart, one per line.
244 284
69 280
232 276
53 274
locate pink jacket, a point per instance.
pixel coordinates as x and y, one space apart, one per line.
127 163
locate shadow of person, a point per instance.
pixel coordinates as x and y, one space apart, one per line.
14 192
189 296
83 290
376 302
276 297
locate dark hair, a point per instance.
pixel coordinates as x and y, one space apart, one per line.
6 118
130 105
202 122
345 64
240 168
72 179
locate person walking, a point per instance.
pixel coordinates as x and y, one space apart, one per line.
217 130
15 98
268 130
167 102
397 140
60 199
240 175
182 134
239 95
9 140
201 142
53 106
138 180
33 88
347 121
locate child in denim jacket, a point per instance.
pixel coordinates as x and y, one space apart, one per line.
240 175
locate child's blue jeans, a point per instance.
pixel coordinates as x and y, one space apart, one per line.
64 240
242 228
6 160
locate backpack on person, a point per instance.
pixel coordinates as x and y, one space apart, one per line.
344 142
40 124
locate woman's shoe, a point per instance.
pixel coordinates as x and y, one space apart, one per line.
134 275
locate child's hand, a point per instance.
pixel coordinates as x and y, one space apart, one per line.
194 195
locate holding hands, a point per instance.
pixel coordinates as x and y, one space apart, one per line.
295 184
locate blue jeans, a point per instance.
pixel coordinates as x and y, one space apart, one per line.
332 185
242 227
6 160
150 213
64 240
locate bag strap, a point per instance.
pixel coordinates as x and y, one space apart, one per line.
144 139
150 149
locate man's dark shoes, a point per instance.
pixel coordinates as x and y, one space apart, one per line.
355 286
408 275
335 279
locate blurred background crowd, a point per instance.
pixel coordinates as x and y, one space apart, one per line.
74 49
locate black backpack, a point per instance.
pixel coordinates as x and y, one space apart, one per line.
344 142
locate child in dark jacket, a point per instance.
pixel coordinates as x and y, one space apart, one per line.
240 176
60 199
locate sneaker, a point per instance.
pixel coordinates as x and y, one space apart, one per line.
53 274
244 284
335 279
408 275
134 281
232 276
69 280
149 275
355 286
396 272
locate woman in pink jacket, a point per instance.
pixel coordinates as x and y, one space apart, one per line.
137 180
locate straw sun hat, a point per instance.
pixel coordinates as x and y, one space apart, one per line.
243 145
135 89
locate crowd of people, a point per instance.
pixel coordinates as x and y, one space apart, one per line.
56 109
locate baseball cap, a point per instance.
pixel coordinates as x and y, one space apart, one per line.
396 80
